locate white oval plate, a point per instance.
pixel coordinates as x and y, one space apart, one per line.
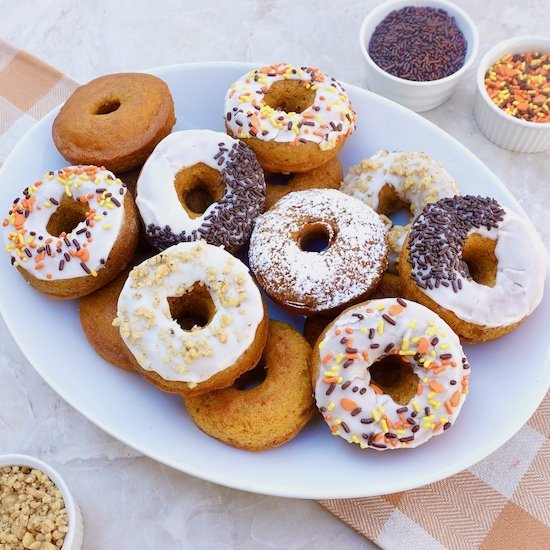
509 377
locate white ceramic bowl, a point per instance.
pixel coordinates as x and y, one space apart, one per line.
418 96
503 129
73 538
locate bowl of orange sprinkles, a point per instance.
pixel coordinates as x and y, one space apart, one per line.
512 104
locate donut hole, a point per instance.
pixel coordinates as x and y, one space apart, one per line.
393 207
198 187
252 378
279 179
290 96
67 216
107 106
194 309
315 237
480 259
395 378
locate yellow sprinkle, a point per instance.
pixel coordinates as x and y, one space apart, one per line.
330 406
429 417
322 345
97 218
355 439
47 204
433 402
431 331
445 345
384 425
409 352
328 373
339 357
415 340
405 344
380 327
380 307
432 353
375 414
413 323
400 432
444 420
425 379
363 330
93 273
380 408
416 406
335 432
335 368
431 394
337 421
427 362
107 226
340 379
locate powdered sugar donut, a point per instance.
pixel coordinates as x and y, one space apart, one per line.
294 118
389 374
392 180
200 184
480 266
318 282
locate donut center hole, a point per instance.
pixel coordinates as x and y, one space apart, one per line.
198 187
316 237
107 106
290 96
252 378
480 259
391 206
194 309
67 216
395 378
279 179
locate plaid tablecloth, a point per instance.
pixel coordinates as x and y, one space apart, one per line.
500 503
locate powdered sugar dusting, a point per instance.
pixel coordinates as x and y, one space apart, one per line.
318 281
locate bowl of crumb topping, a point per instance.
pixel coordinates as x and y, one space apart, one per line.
416 52
37 510
512 106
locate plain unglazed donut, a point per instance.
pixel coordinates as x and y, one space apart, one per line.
478 265
389 374
114 120
326 176
293 118
390 181
271 413
192 319
72 231
200 184
313 283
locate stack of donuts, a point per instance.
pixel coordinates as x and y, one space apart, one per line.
175 242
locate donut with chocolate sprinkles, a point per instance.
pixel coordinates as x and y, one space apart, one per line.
200 184
479 265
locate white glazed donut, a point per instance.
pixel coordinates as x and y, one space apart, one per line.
415 178
358 410
311 282
226 222
157 341
327 121
84 251
435 247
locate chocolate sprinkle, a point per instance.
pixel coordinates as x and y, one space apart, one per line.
438 236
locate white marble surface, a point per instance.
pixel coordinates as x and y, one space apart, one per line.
129 501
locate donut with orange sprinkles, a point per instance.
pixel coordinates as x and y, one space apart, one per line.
389 374
72 231
294 118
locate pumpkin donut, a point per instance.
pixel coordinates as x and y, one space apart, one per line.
192 319
389 374
269 414
72 232
311 282
326 176
479 266
294 118
114 121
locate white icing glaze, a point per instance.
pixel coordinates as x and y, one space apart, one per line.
415 325
318 281
89 243
416 178
329 119
519 286
157 341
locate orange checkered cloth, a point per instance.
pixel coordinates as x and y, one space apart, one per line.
501 503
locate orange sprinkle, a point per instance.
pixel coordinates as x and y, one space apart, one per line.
449 407
83 199
334 428
388 421
455 399
330 380
439 370
396 309
337 332
349 343
436 386
378 437
49 276
327 358
365 355
393 442
348 404
376 389
423 345
368 310
39 265
328 417
419 389
349 330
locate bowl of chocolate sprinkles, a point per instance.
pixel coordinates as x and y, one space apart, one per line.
417 53
512 105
